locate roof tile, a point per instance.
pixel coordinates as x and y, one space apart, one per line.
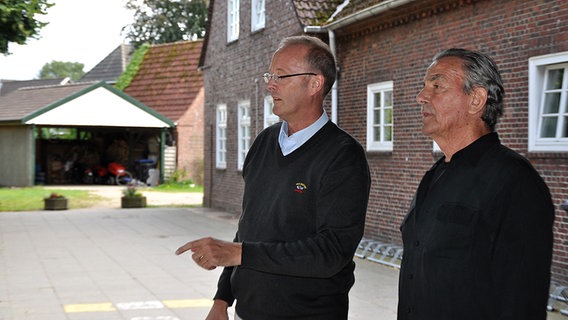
111 67
168 80
315 12
7 86
20 103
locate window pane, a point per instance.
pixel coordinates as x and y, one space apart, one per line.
388 133
555 79
388 98
388 116
548 129
377 100
377 133
551 103
377 116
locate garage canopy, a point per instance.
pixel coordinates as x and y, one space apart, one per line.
96 105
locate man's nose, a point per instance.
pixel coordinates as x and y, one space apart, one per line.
271 85
421 97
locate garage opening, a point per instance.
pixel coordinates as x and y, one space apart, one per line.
91 155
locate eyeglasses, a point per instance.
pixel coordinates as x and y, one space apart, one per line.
271 76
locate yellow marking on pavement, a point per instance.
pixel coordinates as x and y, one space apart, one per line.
89 307
188 303
109 307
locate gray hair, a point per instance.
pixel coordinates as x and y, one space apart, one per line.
480 72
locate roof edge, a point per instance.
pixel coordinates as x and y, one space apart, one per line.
201 62
110 88
366 13
57 103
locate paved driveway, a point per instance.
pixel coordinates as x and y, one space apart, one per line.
110 263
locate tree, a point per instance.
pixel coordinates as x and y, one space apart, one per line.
165 21
17 21
60 69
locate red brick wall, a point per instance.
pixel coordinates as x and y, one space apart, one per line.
190 140
399 45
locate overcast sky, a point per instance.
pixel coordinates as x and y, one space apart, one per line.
83 31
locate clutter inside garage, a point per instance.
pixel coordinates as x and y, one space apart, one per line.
97 155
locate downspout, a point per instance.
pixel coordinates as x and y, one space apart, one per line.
162 155
208 195
332 47
334 87
33 151
257 105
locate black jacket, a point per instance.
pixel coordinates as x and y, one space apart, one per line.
478 239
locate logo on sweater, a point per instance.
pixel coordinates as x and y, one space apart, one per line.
300 187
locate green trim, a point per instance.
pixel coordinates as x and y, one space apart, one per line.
110 88
58 103
33 151
162 155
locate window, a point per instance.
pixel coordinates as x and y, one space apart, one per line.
257 15
379 116
232 20
221 139
243 132
548 103
269 117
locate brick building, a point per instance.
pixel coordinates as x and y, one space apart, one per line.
383 49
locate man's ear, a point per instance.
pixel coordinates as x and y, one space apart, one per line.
478 100
317 83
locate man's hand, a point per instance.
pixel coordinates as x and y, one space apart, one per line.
218 311
210 253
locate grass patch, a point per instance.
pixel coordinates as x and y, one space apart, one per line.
182 186
31 199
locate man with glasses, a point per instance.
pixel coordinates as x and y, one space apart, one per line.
304 204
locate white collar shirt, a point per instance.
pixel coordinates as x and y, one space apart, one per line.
289 144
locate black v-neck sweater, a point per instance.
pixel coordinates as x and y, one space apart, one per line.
303 217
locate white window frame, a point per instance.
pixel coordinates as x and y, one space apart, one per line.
244 129
538 71
233 20
269 117
258 15
221 137
372 89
